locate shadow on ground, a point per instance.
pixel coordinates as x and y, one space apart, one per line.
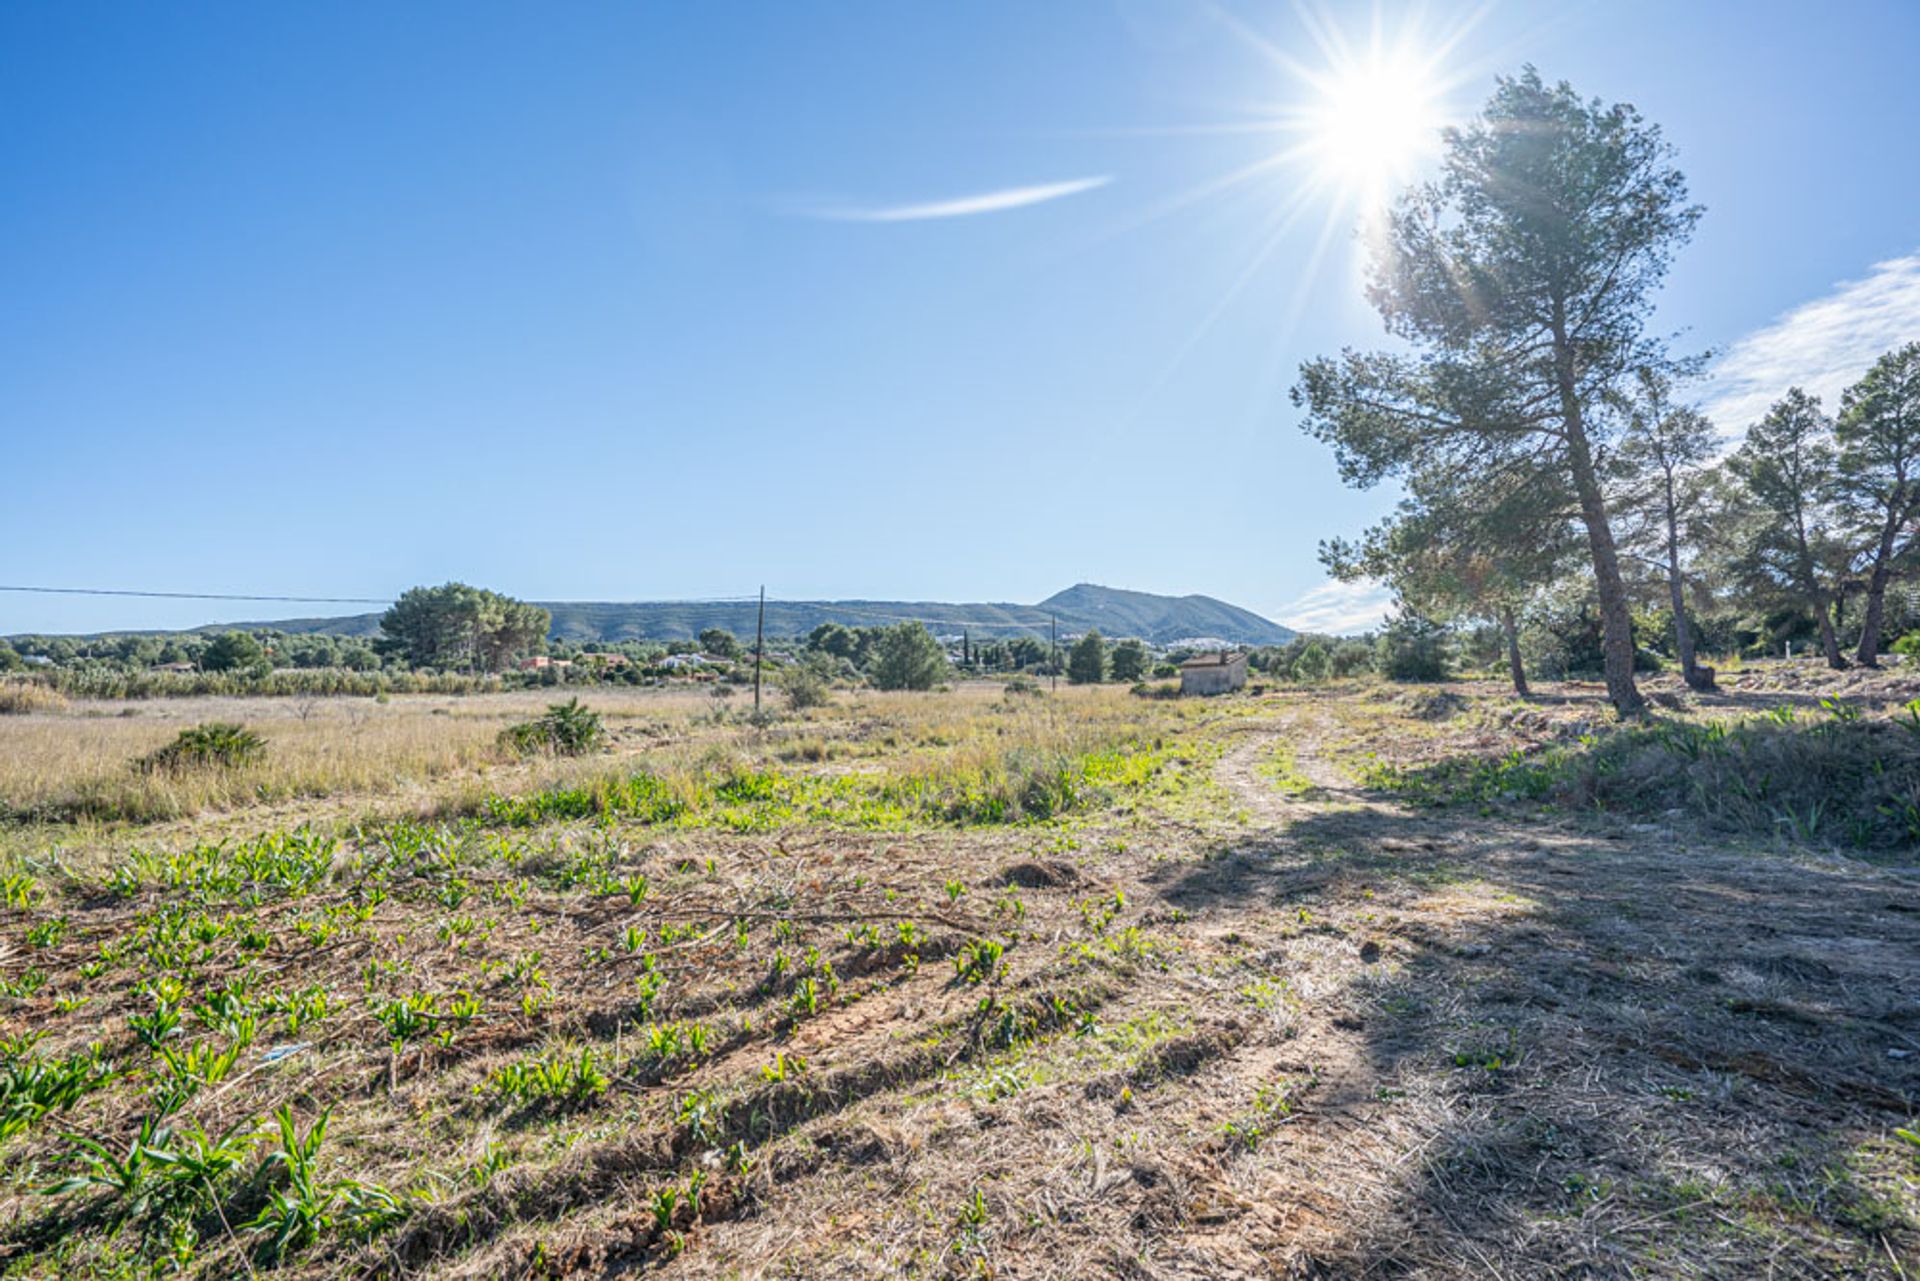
1569 1053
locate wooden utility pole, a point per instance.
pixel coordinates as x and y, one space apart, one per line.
759 638
1053 632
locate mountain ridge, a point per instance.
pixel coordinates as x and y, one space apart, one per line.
1115 611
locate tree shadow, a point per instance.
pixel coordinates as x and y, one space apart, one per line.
1616 1049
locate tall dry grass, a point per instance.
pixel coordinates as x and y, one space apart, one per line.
79 761
440 754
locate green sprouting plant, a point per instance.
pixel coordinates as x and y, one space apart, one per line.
296 1214
1840 710
806 997
648 987
978 961
634 938
192 1164
554 1079
195 1066
491 1162
19 890
973 1212
405 1017
161 1025
456 1013
48 933
700 1112
636 888
307 1006
24 986
783 1067
32 1086
954 890
665 1202
124 1177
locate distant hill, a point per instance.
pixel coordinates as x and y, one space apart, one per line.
1161 619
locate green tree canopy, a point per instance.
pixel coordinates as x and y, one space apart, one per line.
1787 474
1129 660
1878 477
234 652
1087 660
906 656
836 639
720 642
457 626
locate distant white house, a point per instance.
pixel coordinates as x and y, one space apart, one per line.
1219 673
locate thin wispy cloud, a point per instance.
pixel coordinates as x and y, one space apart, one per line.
984 202
1338 608
1822 345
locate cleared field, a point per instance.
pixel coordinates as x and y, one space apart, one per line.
1323 982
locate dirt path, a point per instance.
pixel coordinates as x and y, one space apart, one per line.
1519 1050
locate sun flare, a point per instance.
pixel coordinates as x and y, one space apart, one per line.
1373 123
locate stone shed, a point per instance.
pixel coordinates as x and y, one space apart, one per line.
1218 673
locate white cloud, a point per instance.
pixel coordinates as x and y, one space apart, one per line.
1822 345
1338 608
960 206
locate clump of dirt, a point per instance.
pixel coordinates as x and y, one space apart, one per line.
1040 876
1430 704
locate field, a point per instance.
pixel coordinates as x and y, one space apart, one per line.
1315 981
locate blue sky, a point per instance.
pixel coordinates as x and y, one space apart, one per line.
900 301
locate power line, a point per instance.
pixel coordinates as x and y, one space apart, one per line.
113 591
323 600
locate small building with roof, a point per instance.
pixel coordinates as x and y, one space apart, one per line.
1216 673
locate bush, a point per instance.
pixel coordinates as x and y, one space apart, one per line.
216 744
807 686
567 729
1019 686
19 698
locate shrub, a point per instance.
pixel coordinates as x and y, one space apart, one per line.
807 687
20 698
215 744
567 729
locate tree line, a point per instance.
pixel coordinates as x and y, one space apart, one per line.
1540 430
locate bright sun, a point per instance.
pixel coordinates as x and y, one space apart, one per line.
1373 122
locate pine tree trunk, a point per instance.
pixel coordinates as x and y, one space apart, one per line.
1616 623
1697 677
1829 643
1518 669
1868 655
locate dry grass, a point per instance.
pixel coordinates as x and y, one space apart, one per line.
1251 1021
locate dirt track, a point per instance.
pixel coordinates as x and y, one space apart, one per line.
1561 1051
